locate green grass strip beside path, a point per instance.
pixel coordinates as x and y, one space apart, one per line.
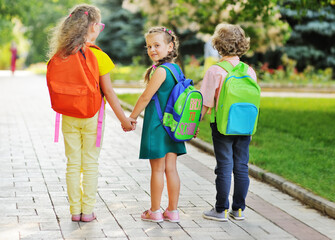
295 139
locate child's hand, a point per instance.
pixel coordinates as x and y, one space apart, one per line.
196 133
126 126
129 125
133 122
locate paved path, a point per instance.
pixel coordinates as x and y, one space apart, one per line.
33 195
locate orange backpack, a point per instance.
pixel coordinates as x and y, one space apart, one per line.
73 84
74 88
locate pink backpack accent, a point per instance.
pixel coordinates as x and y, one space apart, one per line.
99 128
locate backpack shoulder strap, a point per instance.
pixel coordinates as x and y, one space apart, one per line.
243 67
88 44
99 128
100 121
57 122
158 107
226 66
177 75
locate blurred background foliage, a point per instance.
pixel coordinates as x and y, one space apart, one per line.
312 37
298 30
123 39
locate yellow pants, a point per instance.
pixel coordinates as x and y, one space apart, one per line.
82 161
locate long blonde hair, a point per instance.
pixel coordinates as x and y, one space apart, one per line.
169 36
70 34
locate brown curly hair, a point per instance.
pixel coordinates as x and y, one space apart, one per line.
71 32
230 40
169 37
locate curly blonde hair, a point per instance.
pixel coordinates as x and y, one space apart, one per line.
230 40
169 36
70 34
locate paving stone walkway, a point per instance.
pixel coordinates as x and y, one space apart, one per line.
33 199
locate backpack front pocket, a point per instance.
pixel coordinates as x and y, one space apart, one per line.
241 118
70 99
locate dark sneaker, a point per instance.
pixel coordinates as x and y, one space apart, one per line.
237 215
214 215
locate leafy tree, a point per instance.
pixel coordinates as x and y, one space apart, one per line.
260 19
313 34
8 11
122 38
302 6
38 17
6 31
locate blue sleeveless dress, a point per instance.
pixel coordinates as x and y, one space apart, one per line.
155 142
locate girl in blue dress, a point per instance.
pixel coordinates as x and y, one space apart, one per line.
156 145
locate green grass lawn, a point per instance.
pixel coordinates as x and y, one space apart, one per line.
295 139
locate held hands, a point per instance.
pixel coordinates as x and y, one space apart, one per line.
133 123
130 125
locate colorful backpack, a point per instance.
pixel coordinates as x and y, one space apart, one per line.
239 101
74 89
182 113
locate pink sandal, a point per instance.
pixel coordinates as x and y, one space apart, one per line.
88 217
171 216
76 218
151 216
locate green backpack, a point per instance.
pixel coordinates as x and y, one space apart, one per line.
182 114
239 101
